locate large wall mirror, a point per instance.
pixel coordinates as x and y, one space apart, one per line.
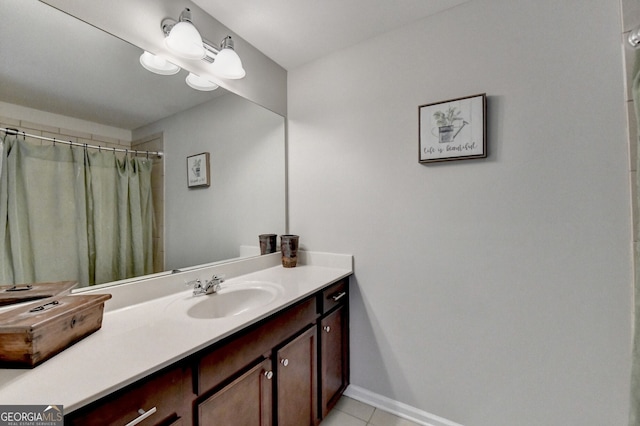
56 67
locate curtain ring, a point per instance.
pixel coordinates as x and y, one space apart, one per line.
24 136
54 141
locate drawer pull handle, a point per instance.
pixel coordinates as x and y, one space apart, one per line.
339 296
143 416
22 287
45 306
268 375
284 361
327 328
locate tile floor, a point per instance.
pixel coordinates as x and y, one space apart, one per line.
349 412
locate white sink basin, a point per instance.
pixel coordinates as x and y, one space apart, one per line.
233 299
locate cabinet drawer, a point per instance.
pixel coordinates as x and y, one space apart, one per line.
222 363
335 295
165 392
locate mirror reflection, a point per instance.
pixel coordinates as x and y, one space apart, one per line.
84 85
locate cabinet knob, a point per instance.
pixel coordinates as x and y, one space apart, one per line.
284 361
326 328
268 375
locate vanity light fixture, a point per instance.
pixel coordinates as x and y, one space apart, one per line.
200 83
227 63
157 65
182 37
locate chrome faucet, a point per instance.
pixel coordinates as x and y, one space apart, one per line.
210 287
213 286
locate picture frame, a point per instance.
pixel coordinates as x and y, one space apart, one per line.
198 170
455 129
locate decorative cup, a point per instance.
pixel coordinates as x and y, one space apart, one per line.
267 243
289 248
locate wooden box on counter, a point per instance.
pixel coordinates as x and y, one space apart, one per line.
33 333
19 293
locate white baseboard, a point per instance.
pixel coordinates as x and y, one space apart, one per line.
398 408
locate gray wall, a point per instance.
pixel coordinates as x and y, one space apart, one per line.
247 195
494 292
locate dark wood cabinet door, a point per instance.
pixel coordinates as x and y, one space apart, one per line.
334 362
247 401
297 381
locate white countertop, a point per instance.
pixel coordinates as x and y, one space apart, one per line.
141 338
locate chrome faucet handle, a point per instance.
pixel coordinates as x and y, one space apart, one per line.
197 286
218 279
213 286
194 283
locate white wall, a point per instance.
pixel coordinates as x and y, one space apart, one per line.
246 197
489 292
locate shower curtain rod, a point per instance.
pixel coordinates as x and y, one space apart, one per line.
17 132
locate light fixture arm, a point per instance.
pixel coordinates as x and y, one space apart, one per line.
185 16
167 24
212 51
227 43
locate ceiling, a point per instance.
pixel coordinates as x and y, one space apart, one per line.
295 32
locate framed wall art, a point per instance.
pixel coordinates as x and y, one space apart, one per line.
198 170
453 129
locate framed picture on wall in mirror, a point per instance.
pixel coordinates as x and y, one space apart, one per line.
453 129
198 174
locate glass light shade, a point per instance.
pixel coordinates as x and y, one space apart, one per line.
184 40
199 83
228 65
157 65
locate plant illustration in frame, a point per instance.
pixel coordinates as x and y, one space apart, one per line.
453 129
198 174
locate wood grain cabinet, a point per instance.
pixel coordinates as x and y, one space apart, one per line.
247 401
296 382
334 362
334 346
286 350
287 370
162 399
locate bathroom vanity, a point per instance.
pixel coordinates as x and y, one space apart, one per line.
161 362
